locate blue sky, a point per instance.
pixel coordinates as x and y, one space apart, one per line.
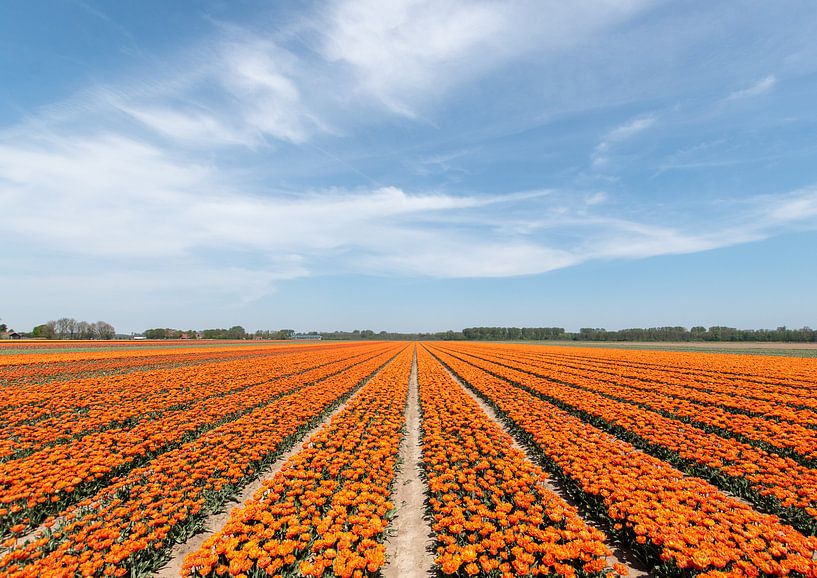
408 164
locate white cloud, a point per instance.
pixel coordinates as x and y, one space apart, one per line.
239 92
106 197
400 49
601 154
798 206
762 86
405 53
248 88
596 198
191 127
457 256
440 163
631 128
264 78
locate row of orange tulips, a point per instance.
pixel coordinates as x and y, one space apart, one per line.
790 439
768 481
44 358
795 405
680 525
47 481
326 512
764 371
492 515
28 402
35 373
82 407
127 527
29 345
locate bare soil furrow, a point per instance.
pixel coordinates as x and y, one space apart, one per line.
408 550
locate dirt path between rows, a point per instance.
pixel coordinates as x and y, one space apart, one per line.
407 550
215 522
635 568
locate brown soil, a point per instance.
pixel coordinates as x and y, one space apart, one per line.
407 549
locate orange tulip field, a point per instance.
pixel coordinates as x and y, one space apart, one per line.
284 459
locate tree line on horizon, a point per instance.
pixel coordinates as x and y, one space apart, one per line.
650 334
70 328
675 333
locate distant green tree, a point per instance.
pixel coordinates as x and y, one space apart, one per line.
236 332
157 333
44 331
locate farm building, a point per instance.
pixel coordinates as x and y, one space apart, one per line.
306 337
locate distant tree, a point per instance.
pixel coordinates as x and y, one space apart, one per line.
236 332
85 330
698 332
66 327
44 331
156 333
105 330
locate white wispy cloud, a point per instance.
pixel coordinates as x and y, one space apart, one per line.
762 86
400 49
601 154
596 198
249 88
440 163
238 92
407 53
110 197
797 206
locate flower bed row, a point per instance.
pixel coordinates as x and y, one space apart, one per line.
128 527
796 406
680 525
44 358
126 400
787 373
772 483
327 510
29 403
491 513
787 439
24 377
47 481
